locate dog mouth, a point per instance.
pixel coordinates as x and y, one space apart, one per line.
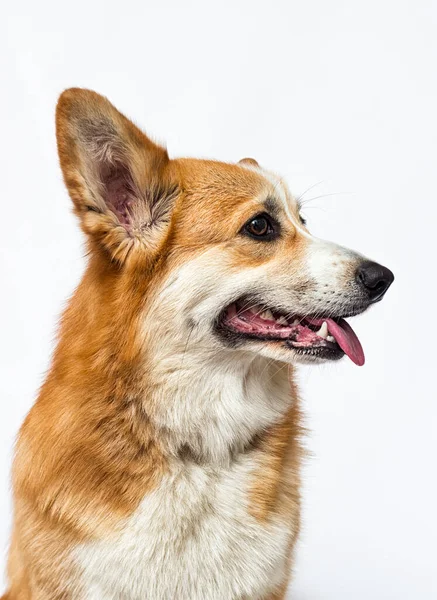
324 338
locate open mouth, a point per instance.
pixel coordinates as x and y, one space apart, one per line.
327 338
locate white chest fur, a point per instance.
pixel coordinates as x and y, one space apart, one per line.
191 539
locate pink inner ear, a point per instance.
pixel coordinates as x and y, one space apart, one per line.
118 195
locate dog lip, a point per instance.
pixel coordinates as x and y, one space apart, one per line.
333 352
357 307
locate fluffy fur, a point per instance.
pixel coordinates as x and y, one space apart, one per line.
161 461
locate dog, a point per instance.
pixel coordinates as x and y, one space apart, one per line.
162 457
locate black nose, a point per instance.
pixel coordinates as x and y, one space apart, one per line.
375 278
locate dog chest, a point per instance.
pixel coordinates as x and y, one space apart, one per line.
192 538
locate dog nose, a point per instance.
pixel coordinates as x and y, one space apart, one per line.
375 278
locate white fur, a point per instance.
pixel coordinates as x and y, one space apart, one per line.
193 537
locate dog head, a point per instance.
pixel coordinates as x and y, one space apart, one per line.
219 252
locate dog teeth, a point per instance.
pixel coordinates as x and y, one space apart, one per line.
296 322
323 331
267 315
282 321
330 338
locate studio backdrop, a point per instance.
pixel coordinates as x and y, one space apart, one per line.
340 99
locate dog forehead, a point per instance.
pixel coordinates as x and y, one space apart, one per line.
213 184
221 181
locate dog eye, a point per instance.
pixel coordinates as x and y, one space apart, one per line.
261 227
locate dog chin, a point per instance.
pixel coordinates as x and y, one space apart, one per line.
280 352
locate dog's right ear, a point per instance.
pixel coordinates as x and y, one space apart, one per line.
119 180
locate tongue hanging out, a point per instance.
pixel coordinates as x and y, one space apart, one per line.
304 333
345 337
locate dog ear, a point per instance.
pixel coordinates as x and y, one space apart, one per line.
248 161
116 176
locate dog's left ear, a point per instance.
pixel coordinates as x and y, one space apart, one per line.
249 161
119 180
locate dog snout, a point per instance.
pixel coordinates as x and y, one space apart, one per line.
375 279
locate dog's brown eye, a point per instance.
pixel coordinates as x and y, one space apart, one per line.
261 227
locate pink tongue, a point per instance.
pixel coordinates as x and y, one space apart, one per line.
345 337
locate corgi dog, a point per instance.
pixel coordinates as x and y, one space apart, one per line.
161 460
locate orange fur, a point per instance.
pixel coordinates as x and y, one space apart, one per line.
88 452
276 483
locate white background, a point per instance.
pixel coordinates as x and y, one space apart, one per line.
342 93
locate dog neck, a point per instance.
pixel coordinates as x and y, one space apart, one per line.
214 406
